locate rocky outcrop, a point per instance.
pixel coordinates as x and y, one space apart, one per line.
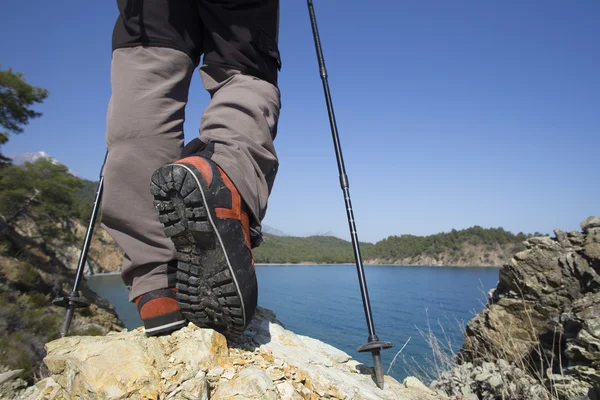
268 362
28 319
543 317
32 273
104 255
489 381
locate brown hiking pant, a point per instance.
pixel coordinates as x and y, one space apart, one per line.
157 46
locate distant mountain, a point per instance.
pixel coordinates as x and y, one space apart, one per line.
269 230
328 233
272 231
20 159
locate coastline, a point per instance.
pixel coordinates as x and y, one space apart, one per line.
380 265
308 264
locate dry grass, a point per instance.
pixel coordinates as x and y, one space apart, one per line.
524 353
396 356
442 355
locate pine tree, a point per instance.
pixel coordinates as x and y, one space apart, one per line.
44 192
16 99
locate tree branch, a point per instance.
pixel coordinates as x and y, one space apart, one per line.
7 221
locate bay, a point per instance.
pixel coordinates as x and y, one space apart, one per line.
324 302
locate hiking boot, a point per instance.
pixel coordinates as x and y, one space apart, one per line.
160 312
208 222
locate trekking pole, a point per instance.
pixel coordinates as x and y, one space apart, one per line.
74 299
375 345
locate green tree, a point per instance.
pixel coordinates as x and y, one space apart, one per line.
46 193
16 99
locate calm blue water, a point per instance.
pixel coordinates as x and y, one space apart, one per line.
324 302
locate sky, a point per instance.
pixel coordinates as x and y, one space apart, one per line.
450 113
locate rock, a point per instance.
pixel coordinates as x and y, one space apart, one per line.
590 222
287 392
412 382
251 383
591 247
543 242
193 389
562 238
11 385
267 362
120 364
30 277
46 389
546 307
7 376
593 327
228 374
498 380
482 377
215 373
275 373
495 380
576 238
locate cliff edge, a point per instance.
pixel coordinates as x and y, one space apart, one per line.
267 362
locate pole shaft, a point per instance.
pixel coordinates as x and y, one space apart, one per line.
83 255
343 177
88 237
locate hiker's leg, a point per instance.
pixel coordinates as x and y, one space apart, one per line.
240 69
145 118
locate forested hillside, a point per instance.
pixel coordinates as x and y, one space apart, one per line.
472 246
312 249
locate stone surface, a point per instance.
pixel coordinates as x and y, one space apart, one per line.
9 375
121 364
489 381
545 308
196 388
591 247
11 384
216 372
414 383
590 222
287 391
267 362
46 389
250 383
29 319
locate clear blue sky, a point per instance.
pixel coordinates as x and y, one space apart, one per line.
451 113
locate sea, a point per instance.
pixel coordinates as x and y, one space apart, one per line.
412 306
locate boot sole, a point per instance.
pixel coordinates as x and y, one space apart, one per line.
208 291
165 328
